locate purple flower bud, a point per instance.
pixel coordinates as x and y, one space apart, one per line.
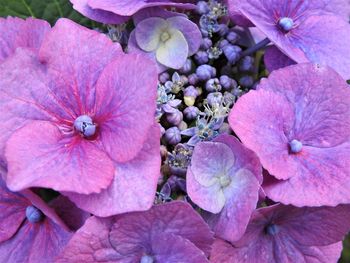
226 82
33 214
204 32
162 130
213 85
201 57
246 81
192 79
191 91
232 53
191 112
223 43
222 30
164 77
229 98
202 7
175 118
232 37
85 125
172 135
206 43
246 64
205 72
187 67
214 98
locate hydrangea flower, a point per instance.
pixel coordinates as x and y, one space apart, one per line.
280 233
171 232
298 123
116 12
71 115
169 41
27 225
17 32
224 179
303 30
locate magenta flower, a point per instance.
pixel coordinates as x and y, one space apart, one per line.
298 123
274 59
168 41
30 231
116 12
72 115
16 32
171 232
306 31
280 233
224 178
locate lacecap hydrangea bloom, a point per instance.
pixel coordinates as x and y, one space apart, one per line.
224 178
305 31
281 234
69 107
168 41
298 123
171 232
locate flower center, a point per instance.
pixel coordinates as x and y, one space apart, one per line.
295 146
33 214
272 229
165 36
85 125
286 23
147 259
224 181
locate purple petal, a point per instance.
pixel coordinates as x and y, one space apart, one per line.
274 59
174 52
134 184
130 7
148 33
102 16
189 30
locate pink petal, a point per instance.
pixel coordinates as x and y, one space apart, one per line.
134 184
102 16
90 244
260 119
72 66
12 206
210 198
124 126
274 59
16 32
64 164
